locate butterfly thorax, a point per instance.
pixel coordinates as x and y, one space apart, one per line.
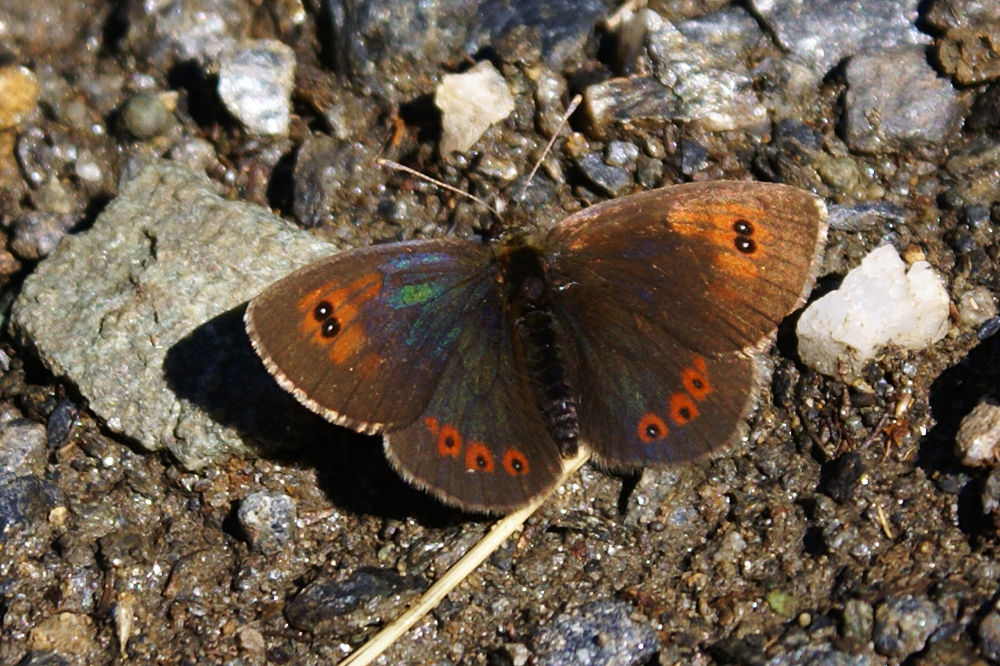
537 341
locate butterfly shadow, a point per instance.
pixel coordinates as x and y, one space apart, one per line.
953 395
215 368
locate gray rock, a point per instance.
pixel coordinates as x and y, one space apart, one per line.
730 31
613 180
180 30
895 99
367 597
710 89
821 33
372 37
143 314
255 84
22 449
865 215
601 632
562 26
903 624
40 29
268 520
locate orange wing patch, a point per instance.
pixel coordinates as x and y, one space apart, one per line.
329 317
477 456
681 407
736 230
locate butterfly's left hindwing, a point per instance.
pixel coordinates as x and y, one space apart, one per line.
481 442
644 398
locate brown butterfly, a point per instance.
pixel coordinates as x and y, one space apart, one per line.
625 329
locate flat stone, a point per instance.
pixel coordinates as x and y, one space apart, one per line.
143 314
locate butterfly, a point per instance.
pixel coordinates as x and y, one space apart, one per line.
628 328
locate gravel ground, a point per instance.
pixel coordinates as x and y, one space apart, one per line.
163 501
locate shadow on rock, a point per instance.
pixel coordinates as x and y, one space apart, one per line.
215 368
953 395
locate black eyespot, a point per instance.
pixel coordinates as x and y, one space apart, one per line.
481 462
745 245
685 413
517 464
449 442
653 431
697 383
330 327
322 311
743 228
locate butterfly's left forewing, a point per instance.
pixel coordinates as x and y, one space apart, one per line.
362 336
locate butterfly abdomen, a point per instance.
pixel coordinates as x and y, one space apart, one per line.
539 345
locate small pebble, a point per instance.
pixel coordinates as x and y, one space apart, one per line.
145 116
976 306
880 302
989 635
255 84
22 449
470 102
978 438
614 181
268 520
600 632
903 624
64 633
895 99
369 596
37 233
621 154
19 90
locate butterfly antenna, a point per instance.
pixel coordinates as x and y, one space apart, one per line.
440 183
574 103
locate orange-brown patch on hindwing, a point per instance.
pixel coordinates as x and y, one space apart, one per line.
683 409
329 317
478 458
449 441
516 463
682 406
651 428
695 379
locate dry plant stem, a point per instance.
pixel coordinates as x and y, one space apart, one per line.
456 574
